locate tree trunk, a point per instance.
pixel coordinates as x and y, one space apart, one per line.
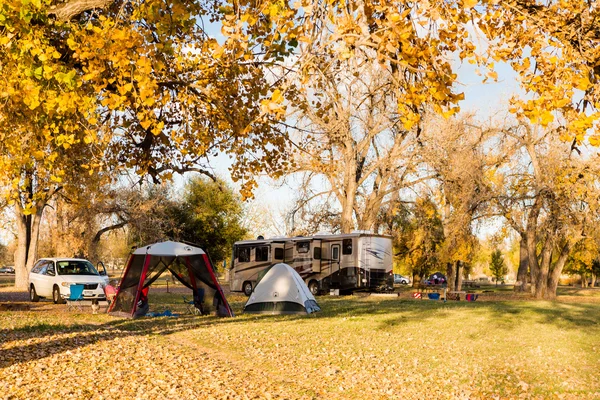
28 229
451 275
21 273
532 260
557 271
541 284
593 280
459 275
584 281
521 284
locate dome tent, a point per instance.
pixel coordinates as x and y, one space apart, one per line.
188 264
281 290
437 278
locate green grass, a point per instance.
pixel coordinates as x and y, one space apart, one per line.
363 348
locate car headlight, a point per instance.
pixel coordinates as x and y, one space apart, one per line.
66 284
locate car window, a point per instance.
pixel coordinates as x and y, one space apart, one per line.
75 267
50 269
43 268
37 268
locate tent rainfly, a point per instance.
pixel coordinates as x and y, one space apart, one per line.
281 290
188 264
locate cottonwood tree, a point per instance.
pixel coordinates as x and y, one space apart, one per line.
92 85
459 153
584 261
352 145
553 46
548 195
418 235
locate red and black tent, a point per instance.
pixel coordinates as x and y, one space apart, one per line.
188 264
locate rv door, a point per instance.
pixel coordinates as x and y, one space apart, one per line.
334 252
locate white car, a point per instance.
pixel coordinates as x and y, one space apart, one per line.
54 277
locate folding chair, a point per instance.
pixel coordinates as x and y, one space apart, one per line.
195 306
76 297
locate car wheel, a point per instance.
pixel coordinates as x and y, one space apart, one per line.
247 288
33 297
313 287
56 296
404 282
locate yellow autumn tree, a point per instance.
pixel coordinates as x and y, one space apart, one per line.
88 87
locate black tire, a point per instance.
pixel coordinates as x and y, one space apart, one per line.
56 295
33 297
404 282
247 288
313 286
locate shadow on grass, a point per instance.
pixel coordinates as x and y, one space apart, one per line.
385 312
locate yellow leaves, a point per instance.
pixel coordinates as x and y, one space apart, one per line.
546 118
492 75
594 140
146 123
583 83
468 4
71 43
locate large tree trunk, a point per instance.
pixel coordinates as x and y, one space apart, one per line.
459 275
451 275
521 284
21 273
541 284
593 279
28 229
557 271
532 259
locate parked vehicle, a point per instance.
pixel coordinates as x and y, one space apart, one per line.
348 262
401 279
54 277
7 270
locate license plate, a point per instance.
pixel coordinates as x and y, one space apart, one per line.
88 292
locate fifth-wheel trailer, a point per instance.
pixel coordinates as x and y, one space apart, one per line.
348 262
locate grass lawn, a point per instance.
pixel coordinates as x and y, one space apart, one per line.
356 348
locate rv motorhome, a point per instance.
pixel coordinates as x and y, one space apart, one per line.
348 262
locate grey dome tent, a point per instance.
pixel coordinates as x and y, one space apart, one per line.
188 264
281 290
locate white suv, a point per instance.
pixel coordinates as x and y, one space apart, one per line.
54 277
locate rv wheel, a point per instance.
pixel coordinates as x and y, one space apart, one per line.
313 287
247 288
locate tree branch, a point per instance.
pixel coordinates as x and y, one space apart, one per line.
65 11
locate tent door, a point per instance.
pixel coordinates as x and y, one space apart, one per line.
334 255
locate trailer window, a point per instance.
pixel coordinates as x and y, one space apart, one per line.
347 246
243 254
278 253
262 253
317 253
303 247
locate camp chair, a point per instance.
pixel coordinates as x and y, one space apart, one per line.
195 306
76 297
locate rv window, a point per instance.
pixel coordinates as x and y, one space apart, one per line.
279 253
303 247
243 254
261 253
317 253
347 246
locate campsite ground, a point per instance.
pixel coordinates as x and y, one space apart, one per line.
501 346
